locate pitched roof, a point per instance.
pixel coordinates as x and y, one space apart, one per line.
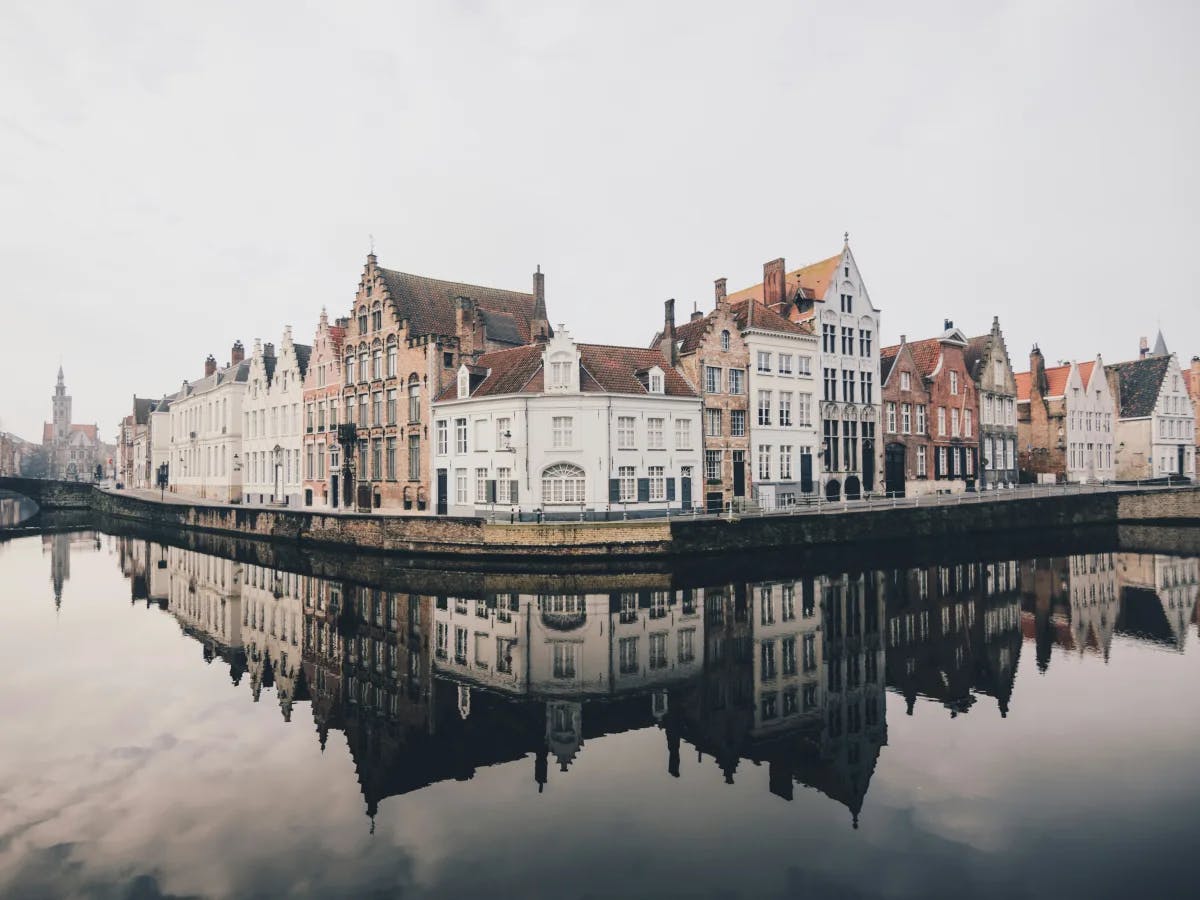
750 313
141 410
303 355
809 282
1056 380
88 431
887 360
1138 385
973 354
428 303
690 333
603 369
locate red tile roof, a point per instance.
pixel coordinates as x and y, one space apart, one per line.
603 369
751 313
48 431
1056 380
810 282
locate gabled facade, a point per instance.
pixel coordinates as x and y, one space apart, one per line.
73 451
406 338
784 438
273 424
560 430
133 458
947 418
989 365
832 296
1156 420
711 354
322 404
1191 378
205 417
907 449
1065 421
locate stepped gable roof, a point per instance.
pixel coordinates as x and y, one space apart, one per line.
689 335
603 369
88 431
750 313
428 303
303 355
808 282
1139 383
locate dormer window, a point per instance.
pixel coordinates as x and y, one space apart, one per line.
560 373
656 380
724 340
464 383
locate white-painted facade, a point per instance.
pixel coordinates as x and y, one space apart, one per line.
847 325
205 453
273 423
563 453
1090 425
785 439
1160 445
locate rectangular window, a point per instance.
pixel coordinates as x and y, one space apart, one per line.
785 462
737 423
503 433
941 460
891 418
788 648
564 659
363 422
391 459
627 655
481 433
377 459
414 457
687 645
953 382
804 410
764 462
658 651
830 384
460 486
625 432
966 423
658 483
627 484
712 422
785 364
921 472
848 386
941 418
563 431
809 651
443 437
920 418
847 341
954 423
864 343
764 407
481 486
764 361
866 380
460 435
712 380
737 381
712 465
905 381
766 653
804 365
683 434
504 485
785 407
391 406
654 434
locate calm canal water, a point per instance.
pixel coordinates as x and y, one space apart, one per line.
182 724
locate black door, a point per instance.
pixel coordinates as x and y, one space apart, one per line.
739 473
685 491
868 465
1182 459
442 488
333 491
806 479
833 490
893 469
853 488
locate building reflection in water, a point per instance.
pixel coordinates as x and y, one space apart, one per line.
60 546
791 674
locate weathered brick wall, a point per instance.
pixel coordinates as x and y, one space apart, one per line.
50 494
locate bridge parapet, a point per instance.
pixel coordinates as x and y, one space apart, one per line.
49 494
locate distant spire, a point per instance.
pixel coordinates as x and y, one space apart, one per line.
1160 345
846 239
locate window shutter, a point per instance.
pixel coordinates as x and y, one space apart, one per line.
643 488
512 490
491 490
937 462
614 490
670 489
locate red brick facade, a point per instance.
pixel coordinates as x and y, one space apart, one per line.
322 409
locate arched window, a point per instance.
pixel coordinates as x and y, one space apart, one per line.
362 320
377 318
563 483
391 357
724 340
414 398
377 363
349 369
364 356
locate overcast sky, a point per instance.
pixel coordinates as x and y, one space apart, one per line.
174 177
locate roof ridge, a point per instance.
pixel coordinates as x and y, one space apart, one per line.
482 287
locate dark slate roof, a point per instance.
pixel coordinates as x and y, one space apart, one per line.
887 360
428 304
973 354
503 328
1138 385
141 410
303 355
603 369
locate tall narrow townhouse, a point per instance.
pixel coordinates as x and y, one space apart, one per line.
405 341
784 440
1065 422
991 368
832 295
273 426
709 351
205 455
1191 378
322 403
1156 422
908 449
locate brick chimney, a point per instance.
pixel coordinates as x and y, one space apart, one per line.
1037 372
210 365
539 324
773 285
719 289
1143 347
237 354
696 314
668 343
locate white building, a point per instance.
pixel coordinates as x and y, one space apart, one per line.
566 430
1091 455
273 426
1156 421
161 437
832 296
785 441
206 432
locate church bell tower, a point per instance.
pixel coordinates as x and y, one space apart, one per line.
62 409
